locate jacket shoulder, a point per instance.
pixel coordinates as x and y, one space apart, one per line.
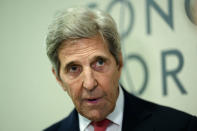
156 116
56 126
68 123
173 118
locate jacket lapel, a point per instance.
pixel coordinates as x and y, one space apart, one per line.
135 112
72 122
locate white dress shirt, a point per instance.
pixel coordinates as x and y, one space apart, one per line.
115 117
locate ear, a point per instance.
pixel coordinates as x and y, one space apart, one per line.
58 79
120 62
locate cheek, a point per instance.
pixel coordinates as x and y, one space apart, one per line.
111 78
74 94
109 81
74 90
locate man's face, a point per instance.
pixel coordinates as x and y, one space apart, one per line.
90 75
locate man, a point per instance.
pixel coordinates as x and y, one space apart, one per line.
84 48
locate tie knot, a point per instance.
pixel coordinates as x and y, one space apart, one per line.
101 125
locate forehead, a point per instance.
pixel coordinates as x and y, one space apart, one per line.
83 48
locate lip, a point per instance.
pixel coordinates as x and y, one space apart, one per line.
93 100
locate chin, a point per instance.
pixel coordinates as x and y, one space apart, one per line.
95 115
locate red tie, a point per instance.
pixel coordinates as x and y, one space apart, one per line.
101 125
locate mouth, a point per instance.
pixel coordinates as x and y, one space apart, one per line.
93 100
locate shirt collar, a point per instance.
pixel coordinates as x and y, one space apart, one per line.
116 116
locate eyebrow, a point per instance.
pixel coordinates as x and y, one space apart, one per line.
92 60
99 57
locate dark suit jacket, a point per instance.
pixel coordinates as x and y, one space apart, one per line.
139 115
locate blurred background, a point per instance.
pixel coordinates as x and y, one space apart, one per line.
158 41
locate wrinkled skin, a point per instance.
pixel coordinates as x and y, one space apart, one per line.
90 75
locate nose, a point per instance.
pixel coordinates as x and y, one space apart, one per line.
89 81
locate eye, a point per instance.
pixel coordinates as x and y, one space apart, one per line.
74 69
99 64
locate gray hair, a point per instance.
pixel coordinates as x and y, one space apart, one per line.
76 23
